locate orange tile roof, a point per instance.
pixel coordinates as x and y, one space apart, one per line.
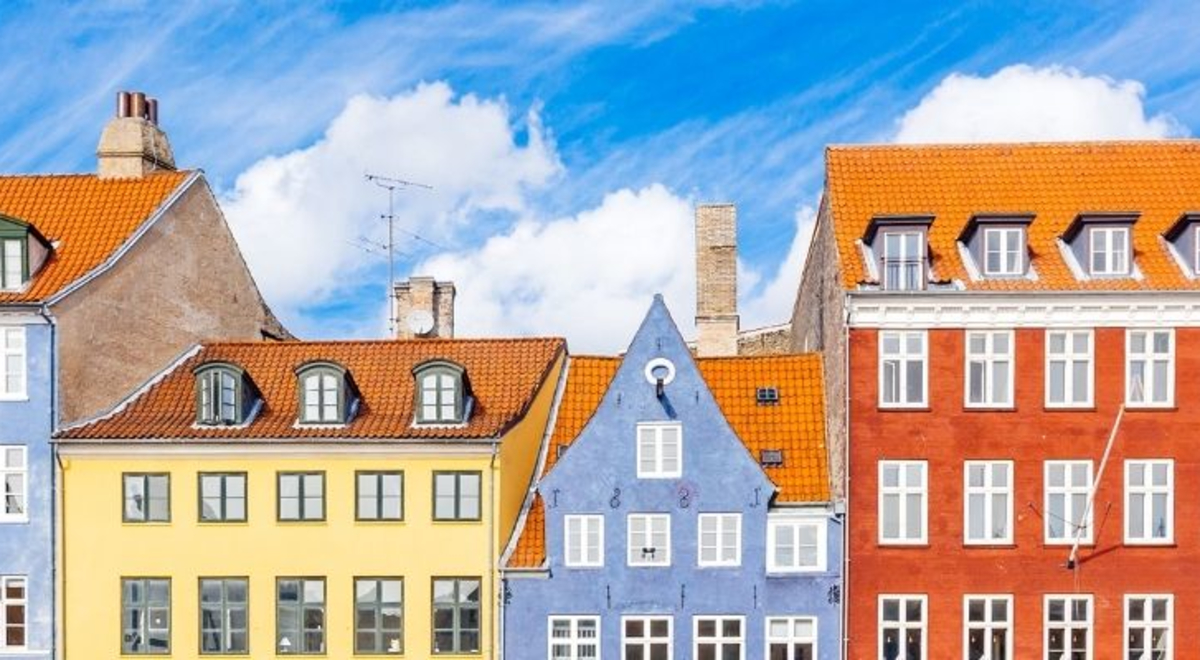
504 376
86 216
530 551
1159 180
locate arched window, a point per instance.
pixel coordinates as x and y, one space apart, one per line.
440 393
323 397
220 395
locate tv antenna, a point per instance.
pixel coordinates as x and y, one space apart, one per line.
391 185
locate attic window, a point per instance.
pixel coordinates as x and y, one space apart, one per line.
324 393
1184 238
13 265
441 395
1103 244
898 244
998 244
223 396
771 457
767 396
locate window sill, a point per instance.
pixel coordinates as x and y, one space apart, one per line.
1054 408
1002 545
156 523
223 523
916 545
457 521
1150 407
14 398
988 409
379 521
303 523
808 572
1150 544
13 521
1048 545
902 409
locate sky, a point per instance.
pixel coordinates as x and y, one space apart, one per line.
566 145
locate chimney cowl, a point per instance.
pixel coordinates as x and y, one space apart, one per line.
132 144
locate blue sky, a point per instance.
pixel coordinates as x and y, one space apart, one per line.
547 127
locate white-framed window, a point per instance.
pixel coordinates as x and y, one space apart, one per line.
1067 513
12 362
1150 367
1149 501
902 626
903 260
12 263
1149 620
989 369
649 539
1069 371
903 369
795 545
574 638
322 398
1109 251
647 638
988 504
720 539
14 614
719 637
791 638
1068 627
987 628
14 482
1003 251
903 502
659 450
584 541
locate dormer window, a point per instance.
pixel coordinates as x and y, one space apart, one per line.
22 251
325 395
898 246
441 393
1184 238
1003 251
1108 253
12 263
224 395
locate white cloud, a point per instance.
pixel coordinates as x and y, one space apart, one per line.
1024 103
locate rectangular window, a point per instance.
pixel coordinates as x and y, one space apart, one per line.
902 627
456 615
14 480
902 502
12 362
147 497
300 616
647 638
1067 486
224 615
574 638
584 541
989 502
145 616
795 546
1068 628
902 369
380 495
903 261
379 615
649 539
1150 367
719 637
720 539
14 612
791 638
1149 502
456 495
987 630
990 369
301 496
659 451
1069 371
223 497
1148 624
1003 251
1110 251
12 263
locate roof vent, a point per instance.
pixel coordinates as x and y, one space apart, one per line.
767 396
559 450
771 457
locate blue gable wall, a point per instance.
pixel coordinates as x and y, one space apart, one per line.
598 475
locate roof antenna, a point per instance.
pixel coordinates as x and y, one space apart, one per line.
390 184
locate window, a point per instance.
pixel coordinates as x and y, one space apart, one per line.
647 638
13 612
12 363
380 495
1148 622
903 261
574 638
795 546
1067 514
301 496
147 497
1149 501
1068 628
584 541
659 451
988 627
1150 367
219 396
321 398
223 497
902 627
990 368
791 638
456 615
1069 368
989 503
300 615
224 615
379 615
720 539
1003 251
440 394
719 637
902 502
902 369
649 539
456 495
12 263
14 478
145 616
1109 251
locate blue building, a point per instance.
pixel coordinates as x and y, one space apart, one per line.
682 512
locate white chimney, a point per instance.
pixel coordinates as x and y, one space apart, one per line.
716 280
132 144
424 309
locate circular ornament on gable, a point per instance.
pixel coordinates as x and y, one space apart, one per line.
660 368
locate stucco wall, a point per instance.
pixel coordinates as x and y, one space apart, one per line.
519 454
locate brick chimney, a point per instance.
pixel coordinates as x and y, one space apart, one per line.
716 280
424 309
132 144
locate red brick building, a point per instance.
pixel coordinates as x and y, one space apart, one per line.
987 313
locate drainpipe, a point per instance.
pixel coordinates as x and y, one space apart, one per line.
846 480
55 465
491 529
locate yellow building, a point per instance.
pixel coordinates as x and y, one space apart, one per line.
331 498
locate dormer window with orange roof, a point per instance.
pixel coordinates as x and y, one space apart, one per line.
898 251
997 245
1102 245
22 251
1183 237
441 393
326 395
224 395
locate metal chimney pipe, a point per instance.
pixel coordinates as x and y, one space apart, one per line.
152 107
138 106
122 104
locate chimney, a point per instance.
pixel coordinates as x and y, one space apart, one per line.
424 309
716 280
132 144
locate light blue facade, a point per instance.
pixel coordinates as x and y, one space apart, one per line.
597 475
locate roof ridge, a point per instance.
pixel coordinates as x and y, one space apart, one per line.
92 175
871 146
382 341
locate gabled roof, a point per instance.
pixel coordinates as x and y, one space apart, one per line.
505 375
1055 182
85 217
